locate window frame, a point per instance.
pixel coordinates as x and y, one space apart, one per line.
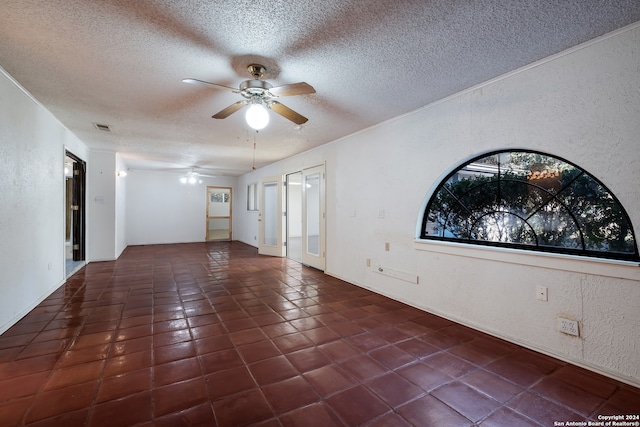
252 197
581 252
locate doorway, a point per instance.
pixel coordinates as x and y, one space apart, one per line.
294 216
313 217
219 213
271 224
295 228
75 171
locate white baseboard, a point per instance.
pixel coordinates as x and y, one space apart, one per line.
635 382
5 327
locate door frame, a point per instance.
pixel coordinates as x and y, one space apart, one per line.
278 248
230 237
280 206
293 212
308 258
78 206
74 238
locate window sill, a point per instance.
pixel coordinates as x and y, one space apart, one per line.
596 266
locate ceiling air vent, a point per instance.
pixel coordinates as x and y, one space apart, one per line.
103 128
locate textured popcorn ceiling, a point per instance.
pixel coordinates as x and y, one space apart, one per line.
121 62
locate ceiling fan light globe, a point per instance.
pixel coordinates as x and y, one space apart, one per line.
257 116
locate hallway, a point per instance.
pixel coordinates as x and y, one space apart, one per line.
214 334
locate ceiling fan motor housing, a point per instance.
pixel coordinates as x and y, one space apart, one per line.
251 88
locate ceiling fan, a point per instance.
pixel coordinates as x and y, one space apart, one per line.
194 177
259 94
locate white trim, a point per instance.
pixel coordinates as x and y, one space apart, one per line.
32 98
46 294
573 263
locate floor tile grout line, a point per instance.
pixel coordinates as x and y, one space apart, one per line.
261 387
300 303
59 360
429 393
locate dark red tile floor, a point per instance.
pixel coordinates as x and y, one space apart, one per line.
213 334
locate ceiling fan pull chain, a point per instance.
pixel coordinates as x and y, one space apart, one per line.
254 150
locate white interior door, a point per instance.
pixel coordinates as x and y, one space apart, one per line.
313 217
270 217
293 192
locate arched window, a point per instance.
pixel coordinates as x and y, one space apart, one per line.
529 200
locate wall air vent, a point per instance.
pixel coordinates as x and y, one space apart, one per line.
103 128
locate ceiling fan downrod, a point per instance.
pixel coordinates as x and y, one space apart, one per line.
256 70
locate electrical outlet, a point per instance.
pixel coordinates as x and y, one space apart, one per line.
386 246
568 326
541 293
368 262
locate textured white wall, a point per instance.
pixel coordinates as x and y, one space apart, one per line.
160 209
121 207
106 206
582 105
32 147
101 206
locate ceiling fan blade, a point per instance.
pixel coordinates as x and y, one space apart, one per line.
301 88
211 85
230 110
287 113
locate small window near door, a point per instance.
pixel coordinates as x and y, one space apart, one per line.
252 197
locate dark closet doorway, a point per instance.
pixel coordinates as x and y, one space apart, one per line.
75 189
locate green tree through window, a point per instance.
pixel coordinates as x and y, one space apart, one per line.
529 200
